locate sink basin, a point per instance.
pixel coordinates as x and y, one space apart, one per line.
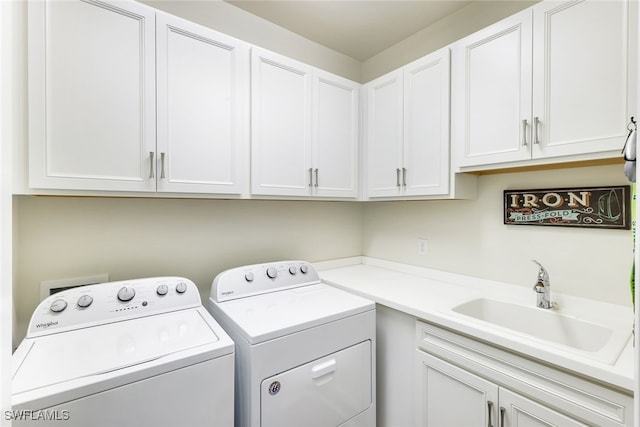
550 326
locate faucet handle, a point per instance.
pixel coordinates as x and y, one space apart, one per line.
543 276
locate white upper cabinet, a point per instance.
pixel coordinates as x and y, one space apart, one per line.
280 125
203 116
425 156
584 79
128 99
91 95
94 97
303 129
335 135
491 93
555 80
384 135
407 140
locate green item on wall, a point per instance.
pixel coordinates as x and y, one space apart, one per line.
633 233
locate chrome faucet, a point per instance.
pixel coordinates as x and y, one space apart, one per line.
542 288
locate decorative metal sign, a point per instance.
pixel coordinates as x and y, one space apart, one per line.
595 207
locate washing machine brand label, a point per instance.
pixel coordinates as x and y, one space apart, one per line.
46 325
274 388
227 293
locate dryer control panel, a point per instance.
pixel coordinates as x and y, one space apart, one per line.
110 302
257 279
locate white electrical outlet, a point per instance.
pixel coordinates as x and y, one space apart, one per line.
422 246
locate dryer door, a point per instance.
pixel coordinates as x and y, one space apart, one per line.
326 392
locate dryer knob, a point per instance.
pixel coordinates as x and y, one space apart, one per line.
304 269
162 290
181 288
248 276
58 305
293 270
272 273
85 301
126 294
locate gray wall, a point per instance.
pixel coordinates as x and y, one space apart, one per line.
67 237
469 237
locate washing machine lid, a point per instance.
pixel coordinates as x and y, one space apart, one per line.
65 356
271 315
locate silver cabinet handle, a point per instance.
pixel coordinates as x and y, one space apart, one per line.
310 177
490 410
404 177
151 174
162 166
398 177
536 121
502 412
316 173
524 132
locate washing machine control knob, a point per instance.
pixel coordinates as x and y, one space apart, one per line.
58 305
181 288
293 270
162 290
272 273
126 294
304 269
85 301
248 276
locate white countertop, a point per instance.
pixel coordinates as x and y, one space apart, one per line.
431 295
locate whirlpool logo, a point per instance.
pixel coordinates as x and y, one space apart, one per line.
46 325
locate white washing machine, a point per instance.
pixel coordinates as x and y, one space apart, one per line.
133 353
305 351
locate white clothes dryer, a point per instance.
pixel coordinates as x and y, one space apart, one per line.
133 353
305 351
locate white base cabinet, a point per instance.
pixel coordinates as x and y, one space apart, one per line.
464 382
452 397
518 411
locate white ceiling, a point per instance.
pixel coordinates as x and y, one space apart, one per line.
357 28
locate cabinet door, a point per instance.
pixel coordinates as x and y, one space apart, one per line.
335 136
202 130
280 125
91 95
491 93
426 125
451 397
584 88
384 135
518 411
